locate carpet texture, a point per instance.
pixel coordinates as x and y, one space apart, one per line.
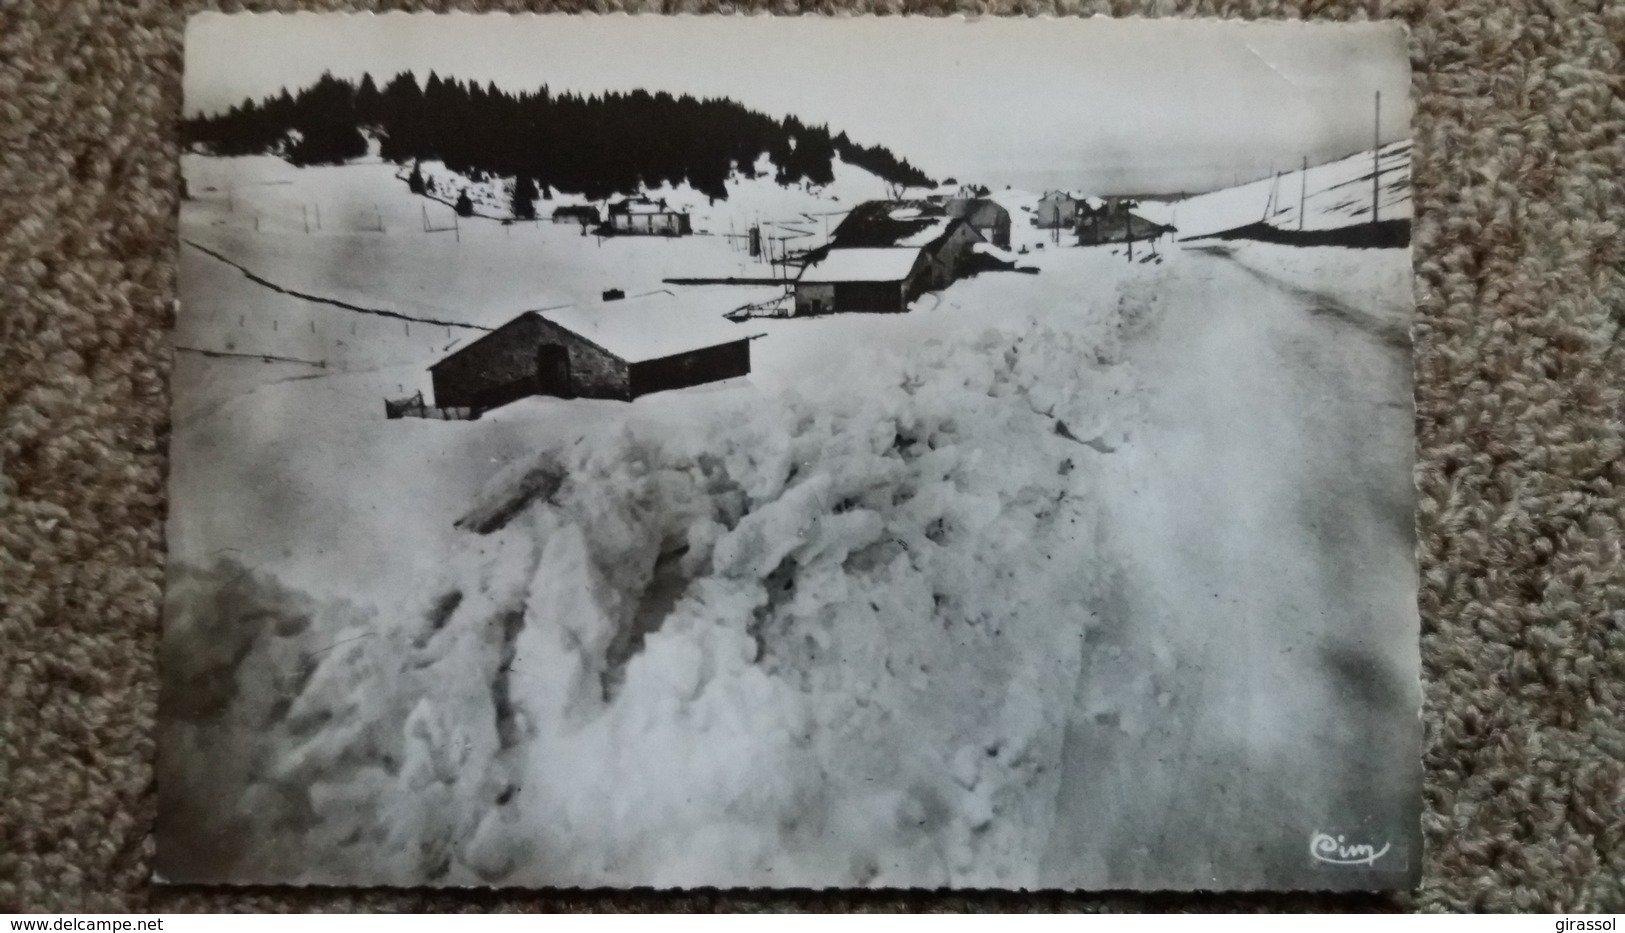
1520 256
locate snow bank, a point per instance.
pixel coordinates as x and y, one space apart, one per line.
820 637
1371 280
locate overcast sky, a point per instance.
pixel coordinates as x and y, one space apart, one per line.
1112 106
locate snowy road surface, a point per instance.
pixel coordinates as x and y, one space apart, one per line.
1222 717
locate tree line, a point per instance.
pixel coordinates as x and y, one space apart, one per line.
596 145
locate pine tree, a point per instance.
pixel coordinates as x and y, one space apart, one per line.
595 145
414 181
369 103
401 114
465 205
524 198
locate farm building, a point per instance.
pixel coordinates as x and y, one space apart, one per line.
1117 222
586 214
871 278
614 350
649 217
985 216
883 255
1063 209
916 224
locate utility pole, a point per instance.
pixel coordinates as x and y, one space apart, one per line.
1303 190
1376 146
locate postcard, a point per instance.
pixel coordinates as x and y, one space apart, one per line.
792 453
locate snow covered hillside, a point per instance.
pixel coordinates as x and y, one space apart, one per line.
751 199
1336 194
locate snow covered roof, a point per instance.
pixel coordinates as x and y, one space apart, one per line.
888 223
1155 212
928 234
1012 198
978 211
1001 255
652 326
1089 201
866 264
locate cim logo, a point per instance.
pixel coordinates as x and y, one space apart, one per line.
1337 850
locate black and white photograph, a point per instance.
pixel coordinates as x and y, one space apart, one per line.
792 452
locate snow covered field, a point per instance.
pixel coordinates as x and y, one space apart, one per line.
953 597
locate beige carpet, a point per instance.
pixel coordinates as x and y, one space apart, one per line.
1520 181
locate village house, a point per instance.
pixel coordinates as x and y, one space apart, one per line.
1063 209
985 216
948 240
1117 222
647 216
883 255
611 350
585 214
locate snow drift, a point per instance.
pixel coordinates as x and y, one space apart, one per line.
820 636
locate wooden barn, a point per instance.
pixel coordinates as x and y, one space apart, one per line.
613 350
876 278
648 217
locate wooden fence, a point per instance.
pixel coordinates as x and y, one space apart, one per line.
415 407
